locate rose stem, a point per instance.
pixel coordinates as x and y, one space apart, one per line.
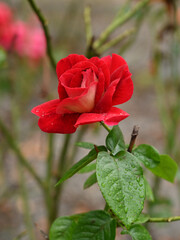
44 24
105 126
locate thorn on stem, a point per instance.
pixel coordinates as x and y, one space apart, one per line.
133 138
96 148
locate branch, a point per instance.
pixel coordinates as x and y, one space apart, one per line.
87 20
119 21
133 138
116 40
46 32
12 143
169 219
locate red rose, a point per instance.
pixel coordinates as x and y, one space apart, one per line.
88 89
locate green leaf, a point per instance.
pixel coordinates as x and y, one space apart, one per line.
92 179
121 182
138 232
82 163
143 218
62 228
149 192
86 145
148 155
95 225
115 141
167 168
89 168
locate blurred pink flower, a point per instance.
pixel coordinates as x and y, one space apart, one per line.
5 14
29 42
20 35
23 38
36 46
6 33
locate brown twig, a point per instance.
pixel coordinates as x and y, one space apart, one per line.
133 138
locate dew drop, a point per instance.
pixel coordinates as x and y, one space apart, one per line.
141 184
141 195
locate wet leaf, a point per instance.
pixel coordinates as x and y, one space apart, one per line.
82 163
167 168
143 218
115 141
121 182
86 145
92 179
148 155
149 192
138 232
96 225
89 168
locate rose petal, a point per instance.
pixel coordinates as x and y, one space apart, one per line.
117 61
80 104
124 91
46 108
105 102
87 118
114 116
86 65
67 63
65 81
121 72
107 60
102 67
88 78
57 123
100 86
61 91
114 62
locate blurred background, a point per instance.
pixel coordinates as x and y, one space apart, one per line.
150 43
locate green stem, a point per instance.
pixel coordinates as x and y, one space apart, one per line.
105 126
80 135
20 235
115 41
49 160
169 219
49 166
24 194
87 20
12 143
117 22
63 155
44 24
61 168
